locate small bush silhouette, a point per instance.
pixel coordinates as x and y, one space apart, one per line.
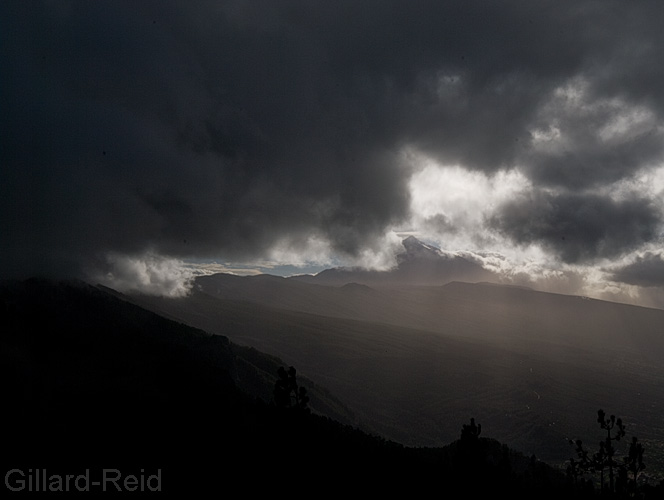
287 394
471 432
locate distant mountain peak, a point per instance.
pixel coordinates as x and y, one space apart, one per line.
419 264
353 286
418 250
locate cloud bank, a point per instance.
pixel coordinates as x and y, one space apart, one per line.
234 130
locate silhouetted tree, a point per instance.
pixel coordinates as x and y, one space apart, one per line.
606 449
470 457
583 465
634 463
605 458
287 394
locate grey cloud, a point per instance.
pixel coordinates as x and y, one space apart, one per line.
219 128
181 131
593 140
646 270
591 162
439 224
629 68
578 228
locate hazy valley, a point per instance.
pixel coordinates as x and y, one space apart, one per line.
412 361
93 379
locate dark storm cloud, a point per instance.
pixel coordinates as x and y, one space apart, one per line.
588 140
219 127
646 270
579 228
591 162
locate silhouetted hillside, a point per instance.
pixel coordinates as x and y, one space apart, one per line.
412 361
96 382
92 379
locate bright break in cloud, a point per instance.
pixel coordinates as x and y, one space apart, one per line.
140 136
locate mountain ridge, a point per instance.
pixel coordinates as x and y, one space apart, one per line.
135 392
419 264
106 387
408 354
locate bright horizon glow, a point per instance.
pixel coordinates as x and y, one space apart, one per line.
449 208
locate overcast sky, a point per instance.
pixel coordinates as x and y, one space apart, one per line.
140 140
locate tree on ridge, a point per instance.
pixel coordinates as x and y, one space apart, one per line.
287 394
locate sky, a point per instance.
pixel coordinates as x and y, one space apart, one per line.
143 143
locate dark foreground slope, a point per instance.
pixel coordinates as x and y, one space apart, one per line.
412 362
93 382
